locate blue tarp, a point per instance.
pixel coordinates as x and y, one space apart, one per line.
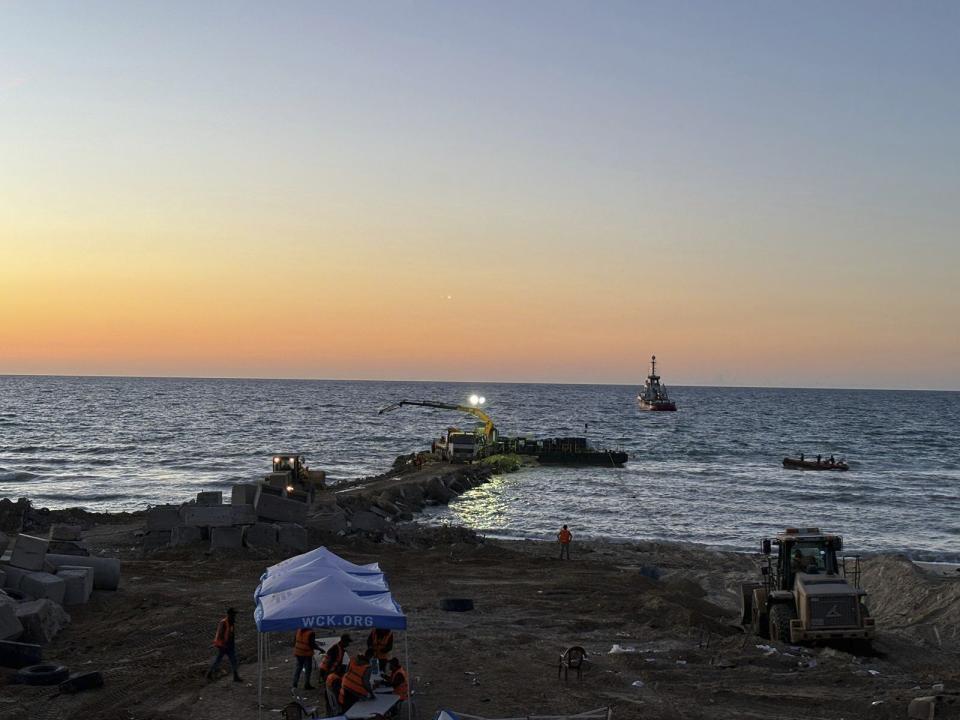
326 603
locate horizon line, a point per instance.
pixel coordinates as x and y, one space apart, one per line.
461 382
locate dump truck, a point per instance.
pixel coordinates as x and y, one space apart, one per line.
807 592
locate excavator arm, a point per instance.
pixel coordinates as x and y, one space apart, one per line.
488 427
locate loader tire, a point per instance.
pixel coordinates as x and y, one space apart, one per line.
780 617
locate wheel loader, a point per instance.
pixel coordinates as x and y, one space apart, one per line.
806 592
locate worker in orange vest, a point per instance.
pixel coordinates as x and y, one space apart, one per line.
305 643
333 683
564 536
397 679
356 682
225 642
334 656
381 643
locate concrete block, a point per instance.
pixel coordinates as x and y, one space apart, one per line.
293 536
10 626
106 571
261 535
156 539
274 507
210 498
226 537
78 584
64 532
4 541
163 517
44 585
278 480
368 522
244 514
13 576
183 535
243 494
67 547
28 552
213 516
42 620
331 522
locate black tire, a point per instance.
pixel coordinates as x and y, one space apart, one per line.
780 617
42 675
456 604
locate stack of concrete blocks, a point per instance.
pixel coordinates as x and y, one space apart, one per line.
40 618
65 540
260 515
161 521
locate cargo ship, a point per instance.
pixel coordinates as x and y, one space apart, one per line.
654 395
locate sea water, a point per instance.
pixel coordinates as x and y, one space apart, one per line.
710 473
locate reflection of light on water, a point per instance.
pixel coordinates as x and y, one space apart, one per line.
487 507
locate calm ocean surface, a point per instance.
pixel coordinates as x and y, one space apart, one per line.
708 473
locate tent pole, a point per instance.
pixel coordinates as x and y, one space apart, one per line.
259 675
406 664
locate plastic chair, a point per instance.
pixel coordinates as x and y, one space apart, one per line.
572 659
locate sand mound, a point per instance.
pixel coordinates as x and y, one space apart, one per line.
908 600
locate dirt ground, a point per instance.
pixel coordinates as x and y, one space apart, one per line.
672 606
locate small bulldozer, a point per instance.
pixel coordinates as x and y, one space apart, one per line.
807 593
292 478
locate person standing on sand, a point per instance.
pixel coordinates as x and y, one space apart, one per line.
564 536
304 646
225 643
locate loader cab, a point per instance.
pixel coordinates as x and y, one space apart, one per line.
289 462
806 551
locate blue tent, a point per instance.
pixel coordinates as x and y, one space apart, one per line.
326 603
360 584
321 557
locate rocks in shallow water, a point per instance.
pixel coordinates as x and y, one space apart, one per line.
41 620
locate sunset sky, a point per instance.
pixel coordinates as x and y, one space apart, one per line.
761 193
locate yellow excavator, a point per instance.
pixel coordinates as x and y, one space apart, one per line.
457 446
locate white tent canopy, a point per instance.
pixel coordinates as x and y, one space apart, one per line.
326 603
360 584
321 557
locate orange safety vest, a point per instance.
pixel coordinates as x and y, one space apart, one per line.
565 537
381 644
353 680
403 689
303 646
224 634
329 664
332 681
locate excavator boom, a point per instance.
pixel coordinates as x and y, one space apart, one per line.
488 427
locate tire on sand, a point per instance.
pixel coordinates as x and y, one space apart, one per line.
780 617
47 674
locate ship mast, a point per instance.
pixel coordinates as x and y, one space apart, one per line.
653 366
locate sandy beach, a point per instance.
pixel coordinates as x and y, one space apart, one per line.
672 608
